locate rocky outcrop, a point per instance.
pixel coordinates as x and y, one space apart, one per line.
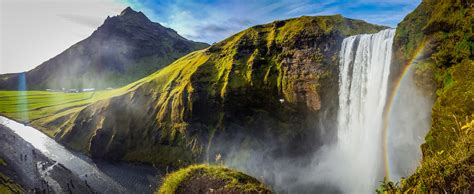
123 49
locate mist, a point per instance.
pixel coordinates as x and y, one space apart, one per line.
354 161
408 122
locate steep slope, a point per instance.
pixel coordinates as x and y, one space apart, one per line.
123 49
261 88
440 35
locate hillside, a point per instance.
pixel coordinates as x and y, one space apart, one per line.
123 49
261 88
205 179
440 35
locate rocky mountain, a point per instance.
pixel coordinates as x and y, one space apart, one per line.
123 49
261 88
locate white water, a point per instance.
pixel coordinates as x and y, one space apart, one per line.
51 149
363 83
354 164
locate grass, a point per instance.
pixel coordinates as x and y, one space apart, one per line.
446 27
41 107
7 185
234 180
447 170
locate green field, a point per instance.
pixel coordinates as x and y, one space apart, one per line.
40 107
27 106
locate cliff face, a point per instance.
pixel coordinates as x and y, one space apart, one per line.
270 86
123 49
443 32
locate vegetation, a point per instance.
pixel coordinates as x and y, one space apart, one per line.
7 185
176 115
40 107
208 179
448 170
445 30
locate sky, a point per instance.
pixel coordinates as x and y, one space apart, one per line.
33 31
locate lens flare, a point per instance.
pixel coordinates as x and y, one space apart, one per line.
22 104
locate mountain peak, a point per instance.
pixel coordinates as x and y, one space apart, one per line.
128 11
128 14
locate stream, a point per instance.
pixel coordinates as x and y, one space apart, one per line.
100 176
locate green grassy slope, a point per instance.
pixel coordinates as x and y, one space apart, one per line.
217 95
40 107
208 179
446 28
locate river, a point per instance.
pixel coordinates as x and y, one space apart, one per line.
101 176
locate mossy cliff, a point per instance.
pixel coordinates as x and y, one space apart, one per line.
445 31
261 88
210 179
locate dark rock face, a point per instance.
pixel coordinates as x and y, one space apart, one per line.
125 48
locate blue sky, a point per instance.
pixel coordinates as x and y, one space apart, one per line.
58 24
213 20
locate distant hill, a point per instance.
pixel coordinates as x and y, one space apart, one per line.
124 49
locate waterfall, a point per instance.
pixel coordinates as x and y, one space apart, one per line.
364 71
354 163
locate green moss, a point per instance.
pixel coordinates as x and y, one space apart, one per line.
447 169
2 162
7 185
235 181
445 27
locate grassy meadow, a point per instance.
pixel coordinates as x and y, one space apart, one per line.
40 107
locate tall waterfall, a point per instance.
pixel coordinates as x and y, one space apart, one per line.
363 81
354 164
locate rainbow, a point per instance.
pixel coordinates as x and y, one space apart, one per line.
390 102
